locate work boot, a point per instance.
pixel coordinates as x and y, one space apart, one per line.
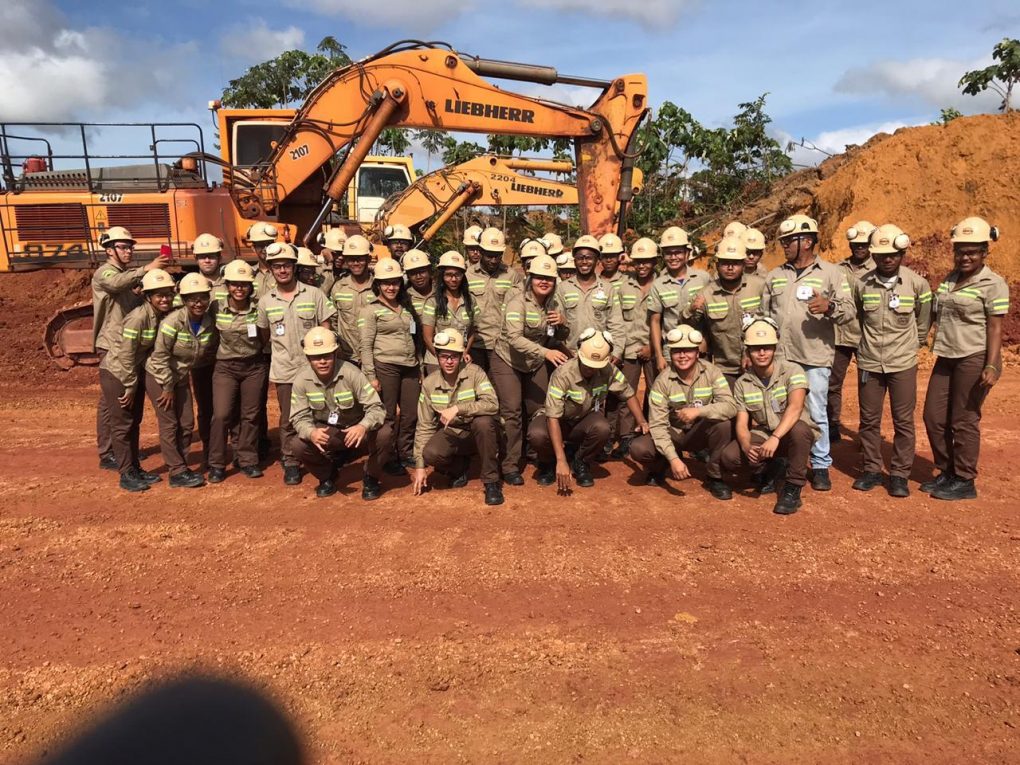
513 479
820 480
370 488
291 475
943 478
394 467
656 478
186 480
582 473
898 487
217 475
789 500
108 462
131 481
145 475
867 481
702 455
546 475
621 451
326 488
719 489
252 471
835 434
459 481
957 489
493 493
605 454
770 476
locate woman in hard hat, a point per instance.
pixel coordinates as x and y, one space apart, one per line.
241 374
970 304
530 343
208 252
390 351
754 246
121 370
418 269
185 336
450 307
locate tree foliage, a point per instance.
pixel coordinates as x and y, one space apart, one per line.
287 79
947 115
1001 77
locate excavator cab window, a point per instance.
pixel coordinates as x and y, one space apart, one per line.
253 141
381 181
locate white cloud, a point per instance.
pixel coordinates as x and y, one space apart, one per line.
835 141
931 81
417 15
651 13
255 41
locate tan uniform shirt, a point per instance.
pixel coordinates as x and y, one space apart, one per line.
634 311
894 320
388 336
526 335
350 298
708 390
238 331
490 292
460 319
597 307
264 283
962 312
804 337
672 297
417 298
113 298
130 349
348 399
765 402
288 321
722 318
178 350
472 394
571 397
849 335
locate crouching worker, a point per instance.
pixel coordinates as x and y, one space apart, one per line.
774 429
457 411
690 408
336 413
575 412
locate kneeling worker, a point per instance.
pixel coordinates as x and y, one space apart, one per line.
575 412
457 418
336 414
774 429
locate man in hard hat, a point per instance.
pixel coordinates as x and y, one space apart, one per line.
611 251
115 293
285 314
208 252
350 293
490 281
734 229
690 409
472 250
307 267
774 430
553 244
808 297
332 251
673 291
848 336
335 415
754 247
457 418
397 239
565 267
420 287
574 412
530 249
591 301
260 235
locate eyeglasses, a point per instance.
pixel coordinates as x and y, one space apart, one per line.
123 246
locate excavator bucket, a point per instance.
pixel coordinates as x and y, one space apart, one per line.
68 337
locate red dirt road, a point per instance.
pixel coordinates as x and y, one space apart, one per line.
619 624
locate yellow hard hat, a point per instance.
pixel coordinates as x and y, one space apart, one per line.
974 230
238 271
753 239
281 251
452 259
397 232
595 349
684 336
333 240
388 268
449 340
492 240
586 242
731 248
194 283
115 234
644 249
553 243
798 224
888 239
357 246
471 236
734 228
761 332
610 244
860 232
156 279
261 233
207 244
674 236
565 262
319 341
414 259
532 248
542 265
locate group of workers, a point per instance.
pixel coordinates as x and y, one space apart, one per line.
420 367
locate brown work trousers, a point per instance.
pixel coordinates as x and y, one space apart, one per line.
840 365
617 412
705 434
104 442
447 452
124 423
287 432
795 447
399 387
175 424
202 390
902 389
952 414
590 434
323 464
516 390
237 387
481 356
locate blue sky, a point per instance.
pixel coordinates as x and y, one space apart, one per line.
837 72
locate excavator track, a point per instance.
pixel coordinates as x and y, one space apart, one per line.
68 337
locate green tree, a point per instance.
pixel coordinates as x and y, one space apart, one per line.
947 115
433 141
286 79
455 152
1000 77
392 141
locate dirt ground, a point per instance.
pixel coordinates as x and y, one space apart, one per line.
623 623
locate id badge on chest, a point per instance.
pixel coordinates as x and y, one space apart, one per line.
334 418
280 330
412 328
894 301
253 331
777 406
598 405
550 331
804 292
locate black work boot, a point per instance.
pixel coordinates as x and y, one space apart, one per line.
217 475
108 462
898 487
131 481
370 488
546 475
149 478
605 454
326 488
459 478
867 481
251 471
493 493
719 488
621 451
513 479
789 500
820 480
186 480
291 475
943 478
767 479
394 467
957 489
656 478
582 473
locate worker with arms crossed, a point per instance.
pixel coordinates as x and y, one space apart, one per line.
673 291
